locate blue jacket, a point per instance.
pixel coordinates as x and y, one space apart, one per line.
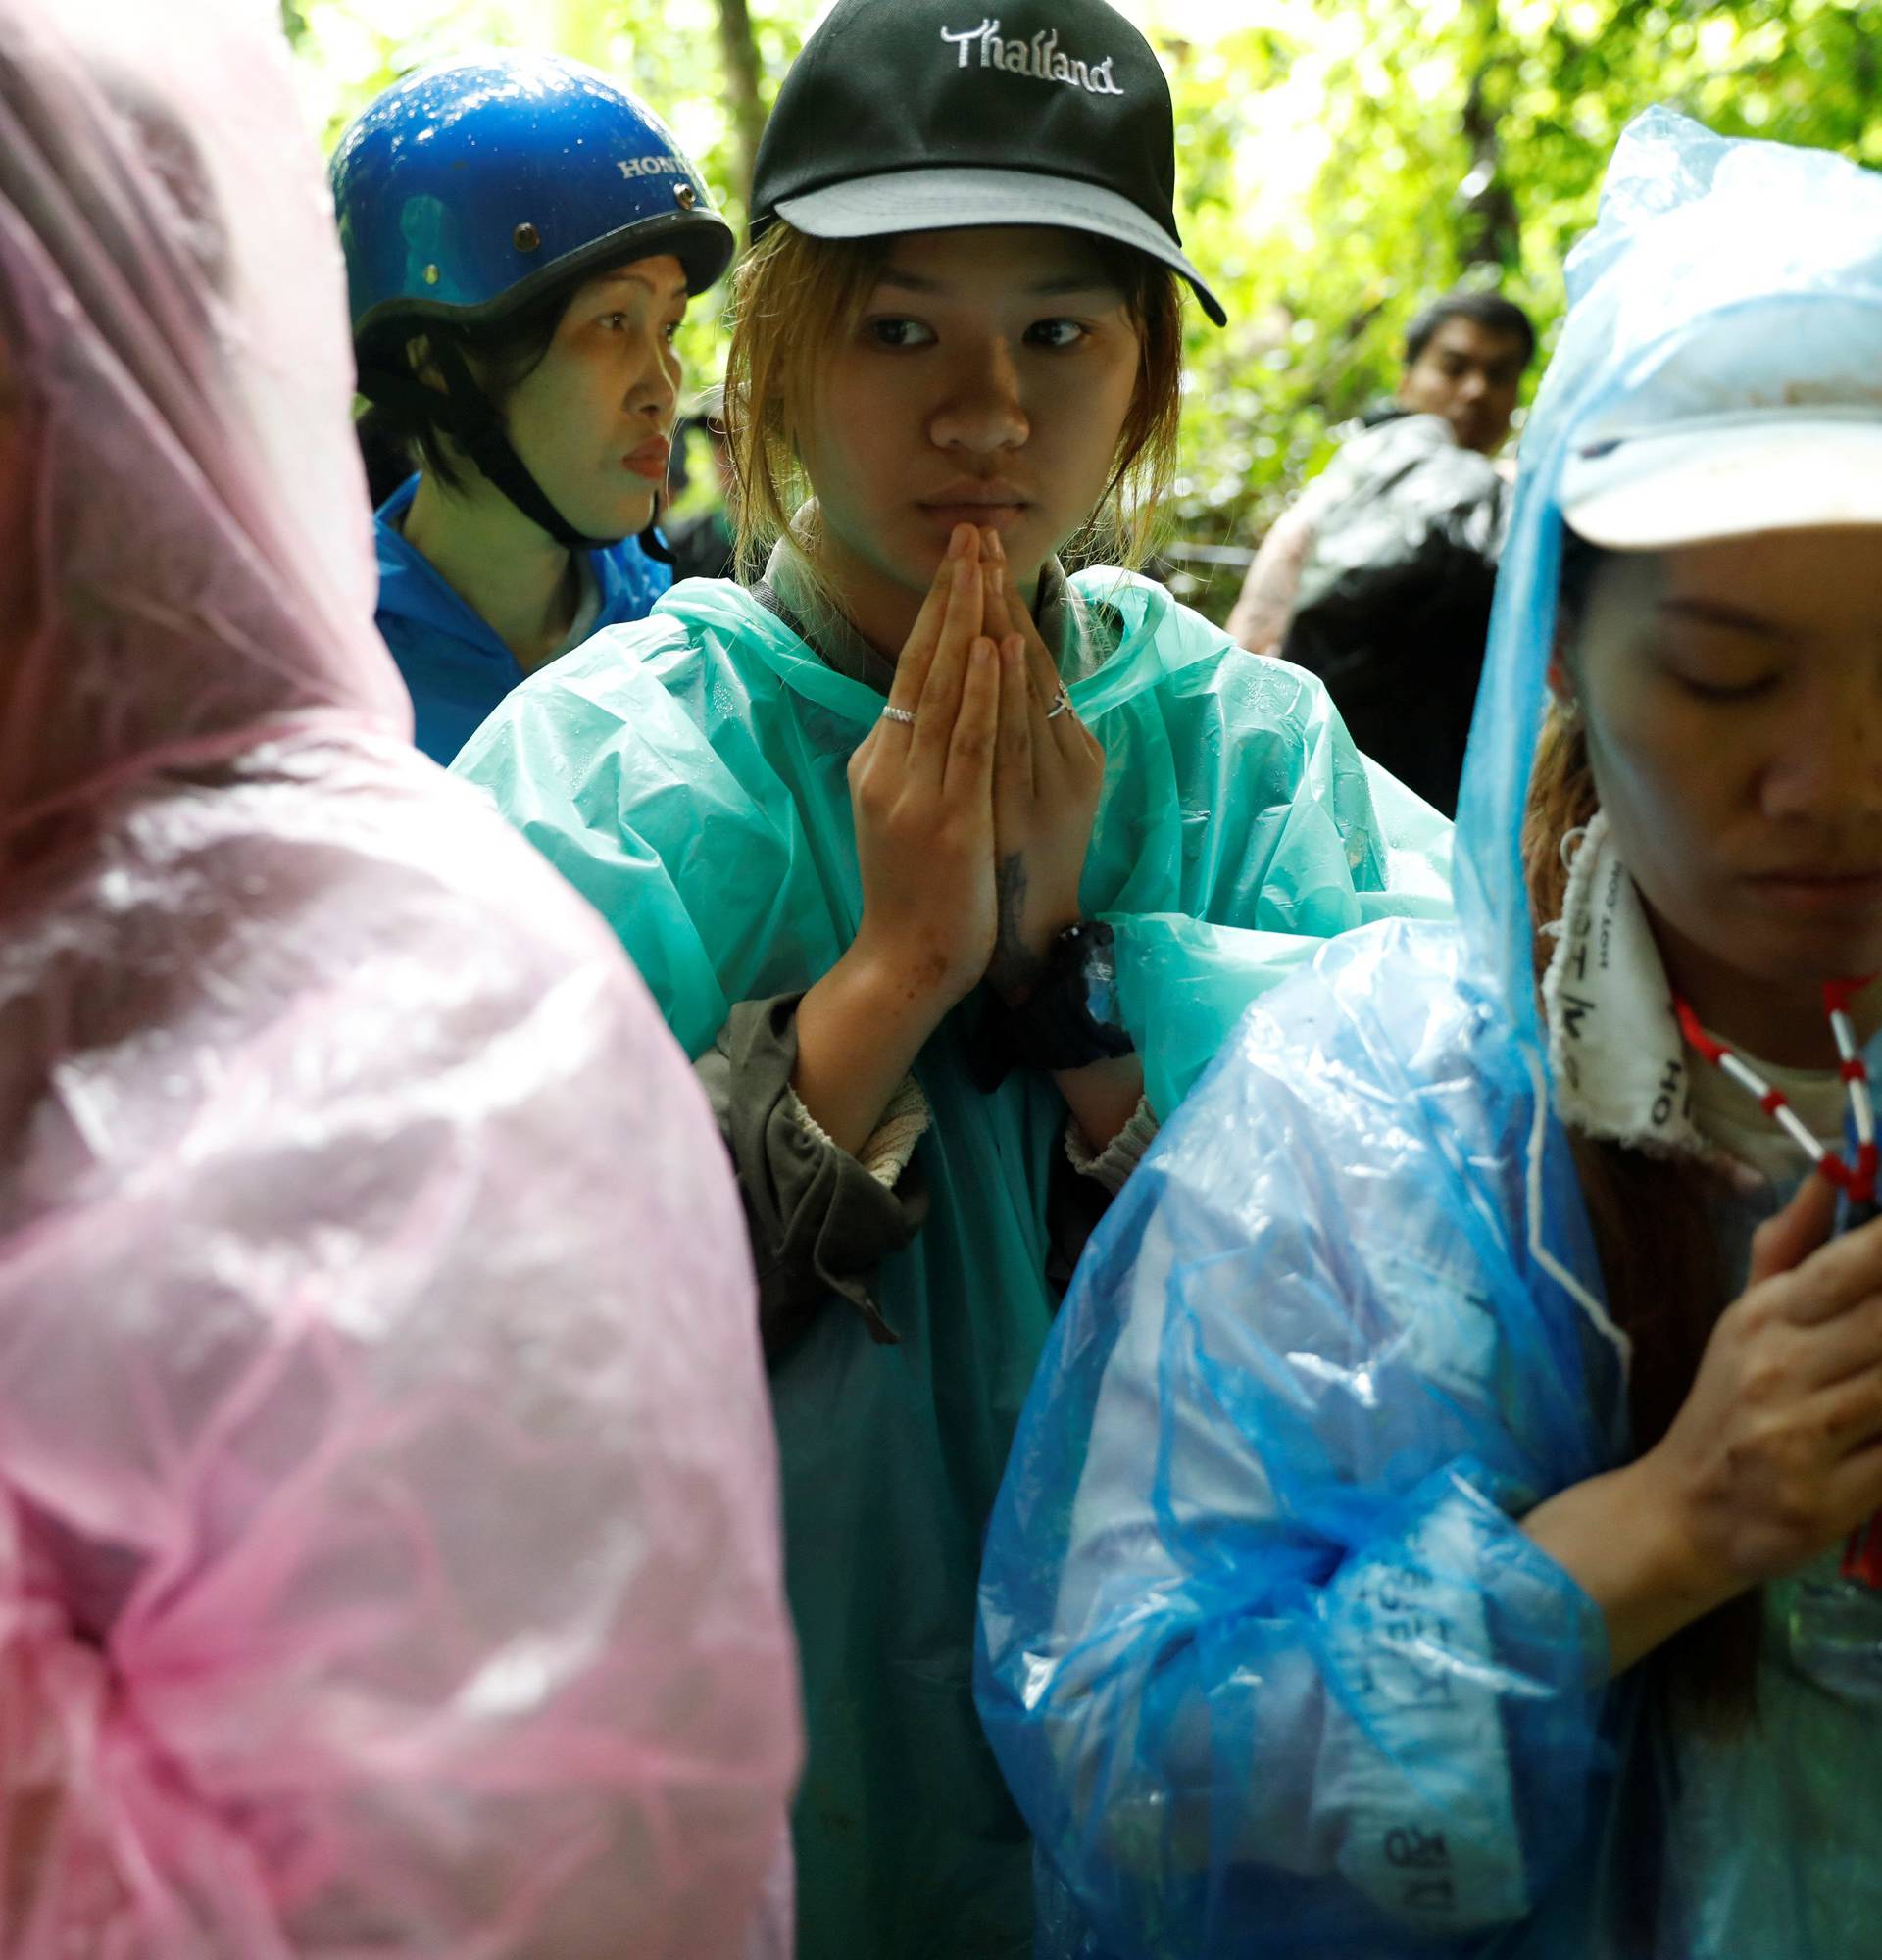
456 668
1268 1661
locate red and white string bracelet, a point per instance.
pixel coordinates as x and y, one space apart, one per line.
1856 1180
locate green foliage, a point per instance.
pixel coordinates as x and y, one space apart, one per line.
1340 161
1455 141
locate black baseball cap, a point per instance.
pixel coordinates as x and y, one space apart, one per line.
931 114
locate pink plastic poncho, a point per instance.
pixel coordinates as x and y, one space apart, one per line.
388 1549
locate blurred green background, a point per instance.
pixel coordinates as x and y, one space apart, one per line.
1339 160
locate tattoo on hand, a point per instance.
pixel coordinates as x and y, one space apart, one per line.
1012 967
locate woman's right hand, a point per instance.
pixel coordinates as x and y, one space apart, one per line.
921 793
1776 1454
922 797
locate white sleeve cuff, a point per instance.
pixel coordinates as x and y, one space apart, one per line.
891 1144
1113 1164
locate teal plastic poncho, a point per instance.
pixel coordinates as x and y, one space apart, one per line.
687 773
1267 1660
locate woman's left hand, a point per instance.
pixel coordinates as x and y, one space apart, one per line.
1048 771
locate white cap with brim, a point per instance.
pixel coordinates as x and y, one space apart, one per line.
947 200
1690 481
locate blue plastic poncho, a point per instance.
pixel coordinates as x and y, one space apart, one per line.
688 775
1267 1660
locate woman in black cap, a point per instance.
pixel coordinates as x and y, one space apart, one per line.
949 868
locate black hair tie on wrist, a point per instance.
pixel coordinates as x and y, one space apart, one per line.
1068 1020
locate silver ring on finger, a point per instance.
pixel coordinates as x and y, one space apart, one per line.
906 716
1059 706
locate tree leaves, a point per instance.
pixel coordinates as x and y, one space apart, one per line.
1340 161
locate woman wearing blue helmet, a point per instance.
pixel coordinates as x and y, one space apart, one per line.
522 237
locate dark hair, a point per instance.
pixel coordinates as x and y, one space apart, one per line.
1581 565
385 449
1489 310
504 355
1665 1286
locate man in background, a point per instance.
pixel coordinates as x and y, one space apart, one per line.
1464 358
1380 575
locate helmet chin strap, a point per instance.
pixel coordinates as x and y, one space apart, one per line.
477 429
474 425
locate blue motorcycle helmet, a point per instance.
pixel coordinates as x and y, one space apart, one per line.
475 197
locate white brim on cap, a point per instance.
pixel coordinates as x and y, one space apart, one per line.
946 200
1727 476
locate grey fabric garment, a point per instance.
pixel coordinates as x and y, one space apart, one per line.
820 1223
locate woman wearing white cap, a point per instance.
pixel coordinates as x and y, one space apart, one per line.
1440 1522
949 869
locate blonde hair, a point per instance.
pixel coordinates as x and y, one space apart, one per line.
797 298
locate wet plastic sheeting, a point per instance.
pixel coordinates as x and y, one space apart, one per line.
388 1554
